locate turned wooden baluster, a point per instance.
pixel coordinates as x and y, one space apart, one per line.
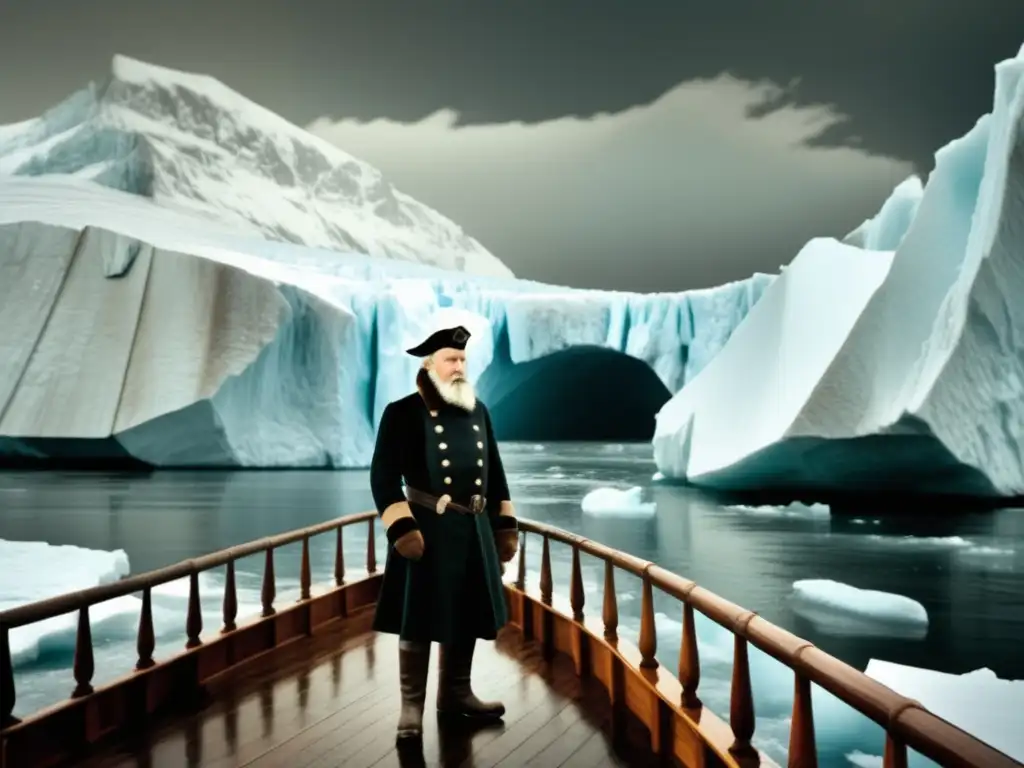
339 558
7 690
741 702
230 607
803 752
84 666
521 569
305 572
546 584
371 548
576 594
610 609
269 590
689 659
145 642
194 620
895 755
648 643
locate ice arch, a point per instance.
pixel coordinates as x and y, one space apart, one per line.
583 392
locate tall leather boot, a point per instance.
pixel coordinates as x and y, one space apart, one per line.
454 693
413 665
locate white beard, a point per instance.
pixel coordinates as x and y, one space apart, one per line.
459 393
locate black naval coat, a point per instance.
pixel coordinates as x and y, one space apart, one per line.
454 592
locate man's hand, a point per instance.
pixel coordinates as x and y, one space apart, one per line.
507 542
410 545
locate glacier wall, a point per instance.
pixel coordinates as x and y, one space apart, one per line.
132 332
912 380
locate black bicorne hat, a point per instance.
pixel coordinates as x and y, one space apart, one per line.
448 338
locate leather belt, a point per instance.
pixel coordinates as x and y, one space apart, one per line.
441 504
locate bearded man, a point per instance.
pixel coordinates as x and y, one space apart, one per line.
449 530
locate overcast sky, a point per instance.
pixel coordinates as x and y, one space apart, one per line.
646 145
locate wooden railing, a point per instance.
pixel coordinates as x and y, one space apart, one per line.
905 721
82 601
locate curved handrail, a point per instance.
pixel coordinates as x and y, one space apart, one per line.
906 722
82 600
30 613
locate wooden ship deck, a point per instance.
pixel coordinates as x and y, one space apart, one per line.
308 683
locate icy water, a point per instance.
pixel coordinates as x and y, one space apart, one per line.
967 571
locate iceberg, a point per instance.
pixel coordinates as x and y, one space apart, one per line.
839 609
870 371
189 142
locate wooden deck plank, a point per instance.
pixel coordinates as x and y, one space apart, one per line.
334 701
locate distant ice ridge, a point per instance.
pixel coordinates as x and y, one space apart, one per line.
165 336
876 370
189 142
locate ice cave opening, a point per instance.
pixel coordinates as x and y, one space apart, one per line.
585 393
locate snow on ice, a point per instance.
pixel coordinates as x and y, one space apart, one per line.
34 571
978 702
882 370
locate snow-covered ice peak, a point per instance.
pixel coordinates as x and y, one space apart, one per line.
190 142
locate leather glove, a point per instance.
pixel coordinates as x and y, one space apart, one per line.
404 535
507 543
410 545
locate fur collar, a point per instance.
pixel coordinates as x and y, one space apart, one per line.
431 397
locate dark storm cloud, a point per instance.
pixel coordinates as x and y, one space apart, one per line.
629 178
908 74
681 193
